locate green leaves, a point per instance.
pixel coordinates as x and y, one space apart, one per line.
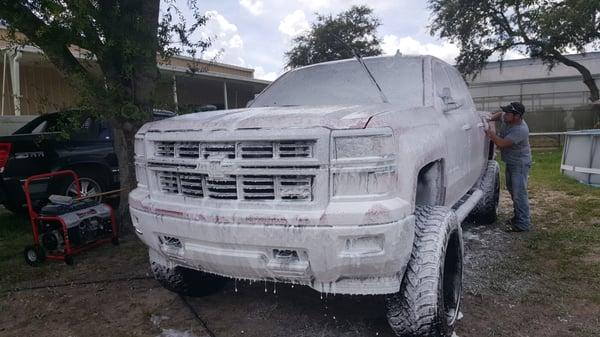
544 29
356 27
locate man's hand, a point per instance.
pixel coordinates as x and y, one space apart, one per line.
496 115
499 141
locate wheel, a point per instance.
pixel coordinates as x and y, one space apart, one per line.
91 183
428 302
486 210
34 255
69 260
186 281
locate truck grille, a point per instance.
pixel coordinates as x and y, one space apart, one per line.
165 149
252 187
235 150
222 188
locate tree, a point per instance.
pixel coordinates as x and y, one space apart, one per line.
356 27
116 80
543 29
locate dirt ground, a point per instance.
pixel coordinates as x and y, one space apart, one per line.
502 297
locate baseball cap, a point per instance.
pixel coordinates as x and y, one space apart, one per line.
514 107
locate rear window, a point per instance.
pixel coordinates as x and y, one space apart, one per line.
44 123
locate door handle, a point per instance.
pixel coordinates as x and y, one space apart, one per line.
466 127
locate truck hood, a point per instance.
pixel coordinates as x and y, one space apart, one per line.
332 117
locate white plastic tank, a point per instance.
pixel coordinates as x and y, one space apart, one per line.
581 156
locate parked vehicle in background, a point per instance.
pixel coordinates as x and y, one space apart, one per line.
347 178
40 147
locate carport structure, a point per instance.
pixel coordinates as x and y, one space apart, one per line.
31 85
188 84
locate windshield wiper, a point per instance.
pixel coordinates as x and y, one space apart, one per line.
364 66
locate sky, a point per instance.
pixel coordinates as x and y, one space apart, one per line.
256 33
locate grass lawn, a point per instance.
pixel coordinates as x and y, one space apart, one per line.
563 250
15 234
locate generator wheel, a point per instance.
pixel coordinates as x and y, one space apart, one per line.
34 255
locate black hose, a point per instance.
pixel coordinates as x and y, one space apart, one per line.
70 284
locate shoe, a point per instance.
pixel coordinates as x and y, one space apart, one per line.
513 229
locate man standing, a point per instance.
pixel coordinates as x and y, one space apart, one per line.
513 141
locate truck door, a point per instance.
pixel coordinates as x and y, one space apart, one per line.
456 129
472 126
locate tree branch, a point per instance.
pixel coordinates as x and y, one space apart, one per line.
91 40
588 79
52 40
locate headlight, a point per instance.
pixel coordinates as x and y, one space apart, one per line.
363 163
364 145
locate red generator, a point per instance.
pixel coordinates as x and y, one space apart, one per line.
65 226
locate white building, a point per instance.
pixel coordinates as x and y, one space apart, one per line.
555 100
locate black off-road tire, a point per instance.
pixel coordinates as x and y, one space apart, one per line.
486 210
186 281
428 302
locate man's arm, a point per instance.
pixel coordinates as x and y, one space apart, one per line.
495 116
499 141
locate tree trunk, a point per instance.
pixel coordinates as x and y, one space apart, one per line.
589 82
141 86
587 76
124 149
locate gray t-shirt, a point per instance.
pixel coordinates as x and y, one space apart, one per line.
520 152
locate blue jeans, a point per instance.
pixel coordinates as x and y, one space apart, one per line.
516 183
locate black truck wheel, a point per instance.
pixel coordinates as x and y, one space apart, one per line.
34 255
486 210
428 302
186 281
91 183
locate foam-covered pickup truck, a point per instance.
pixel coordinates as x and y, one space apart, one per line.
350 177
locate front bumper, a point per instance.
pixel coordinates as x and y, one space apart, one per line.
347 259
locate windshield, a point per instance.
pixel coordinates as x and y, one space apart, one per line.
346 83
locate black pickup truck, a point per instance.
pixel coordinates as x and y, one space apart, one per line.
38 147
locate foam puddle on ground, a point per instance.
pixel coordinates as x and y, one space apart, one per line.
157 319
